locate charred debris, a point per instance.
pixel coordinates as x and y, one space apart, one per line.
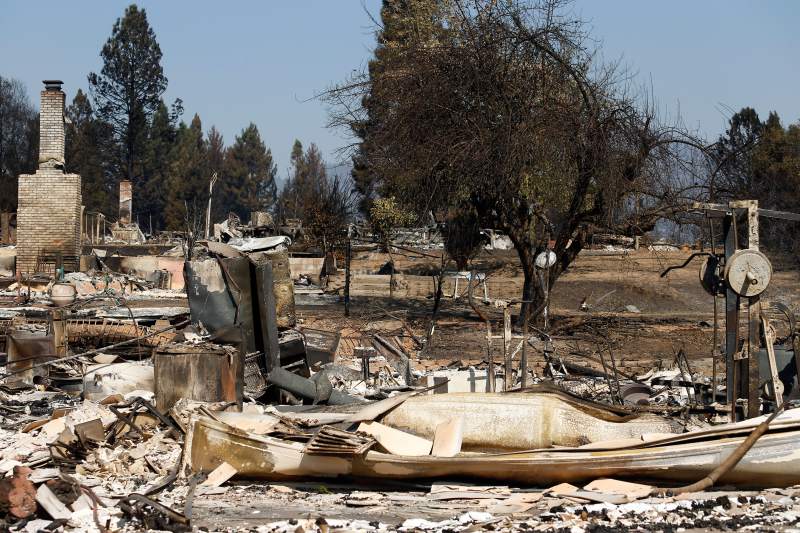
122 403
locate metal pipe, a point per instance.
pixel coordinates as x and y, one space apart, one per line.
523 361
306 388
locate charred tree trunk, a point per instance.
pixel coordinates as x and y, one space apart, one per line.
532 293
438 281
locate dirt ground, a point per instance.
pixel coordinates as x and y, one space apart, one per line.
640 318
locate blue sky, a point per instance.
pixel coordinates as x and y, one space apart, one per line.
261 61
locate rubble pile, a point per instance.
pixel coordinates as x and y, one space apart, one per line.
87 286
126 405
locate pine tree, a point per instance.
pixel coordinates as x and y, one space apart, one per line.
249 180
149 199
324 205
19 139
187 183
306 184
86 139
404 23
296 157
215 157
287 201
216 150
128 90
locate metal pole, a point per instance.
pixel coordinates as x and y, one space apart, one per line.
523 362
545 279
490 370
752 391
347 257
208 209
509 365
731 319
715 345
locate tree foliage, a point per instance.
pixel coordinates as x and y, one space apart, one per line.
404 24
760 160
386 216
462 237
249 180
149 200
86 140
19 139
325 205
504 109
307 180
188 178
127 91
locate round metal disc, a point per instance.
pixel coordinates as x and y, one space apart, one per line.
545 259
748 272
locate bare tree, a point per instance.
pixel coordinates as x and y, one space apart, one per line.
328 217
325 204
19 141
508 112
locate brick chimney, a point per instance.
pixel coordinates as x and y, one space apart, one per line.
51 126
49 201
125 201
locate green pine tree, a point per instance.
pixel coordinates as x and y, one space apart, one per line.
215 154
405 23
86 140
187 184
249 180
306 184
127 91
149 200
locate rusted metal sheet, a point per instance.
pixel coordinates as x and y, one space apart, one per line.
238 275
283 286
772 462
105 331
26 350
321 346
522 421
210 301
268 321
205 373
284 301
